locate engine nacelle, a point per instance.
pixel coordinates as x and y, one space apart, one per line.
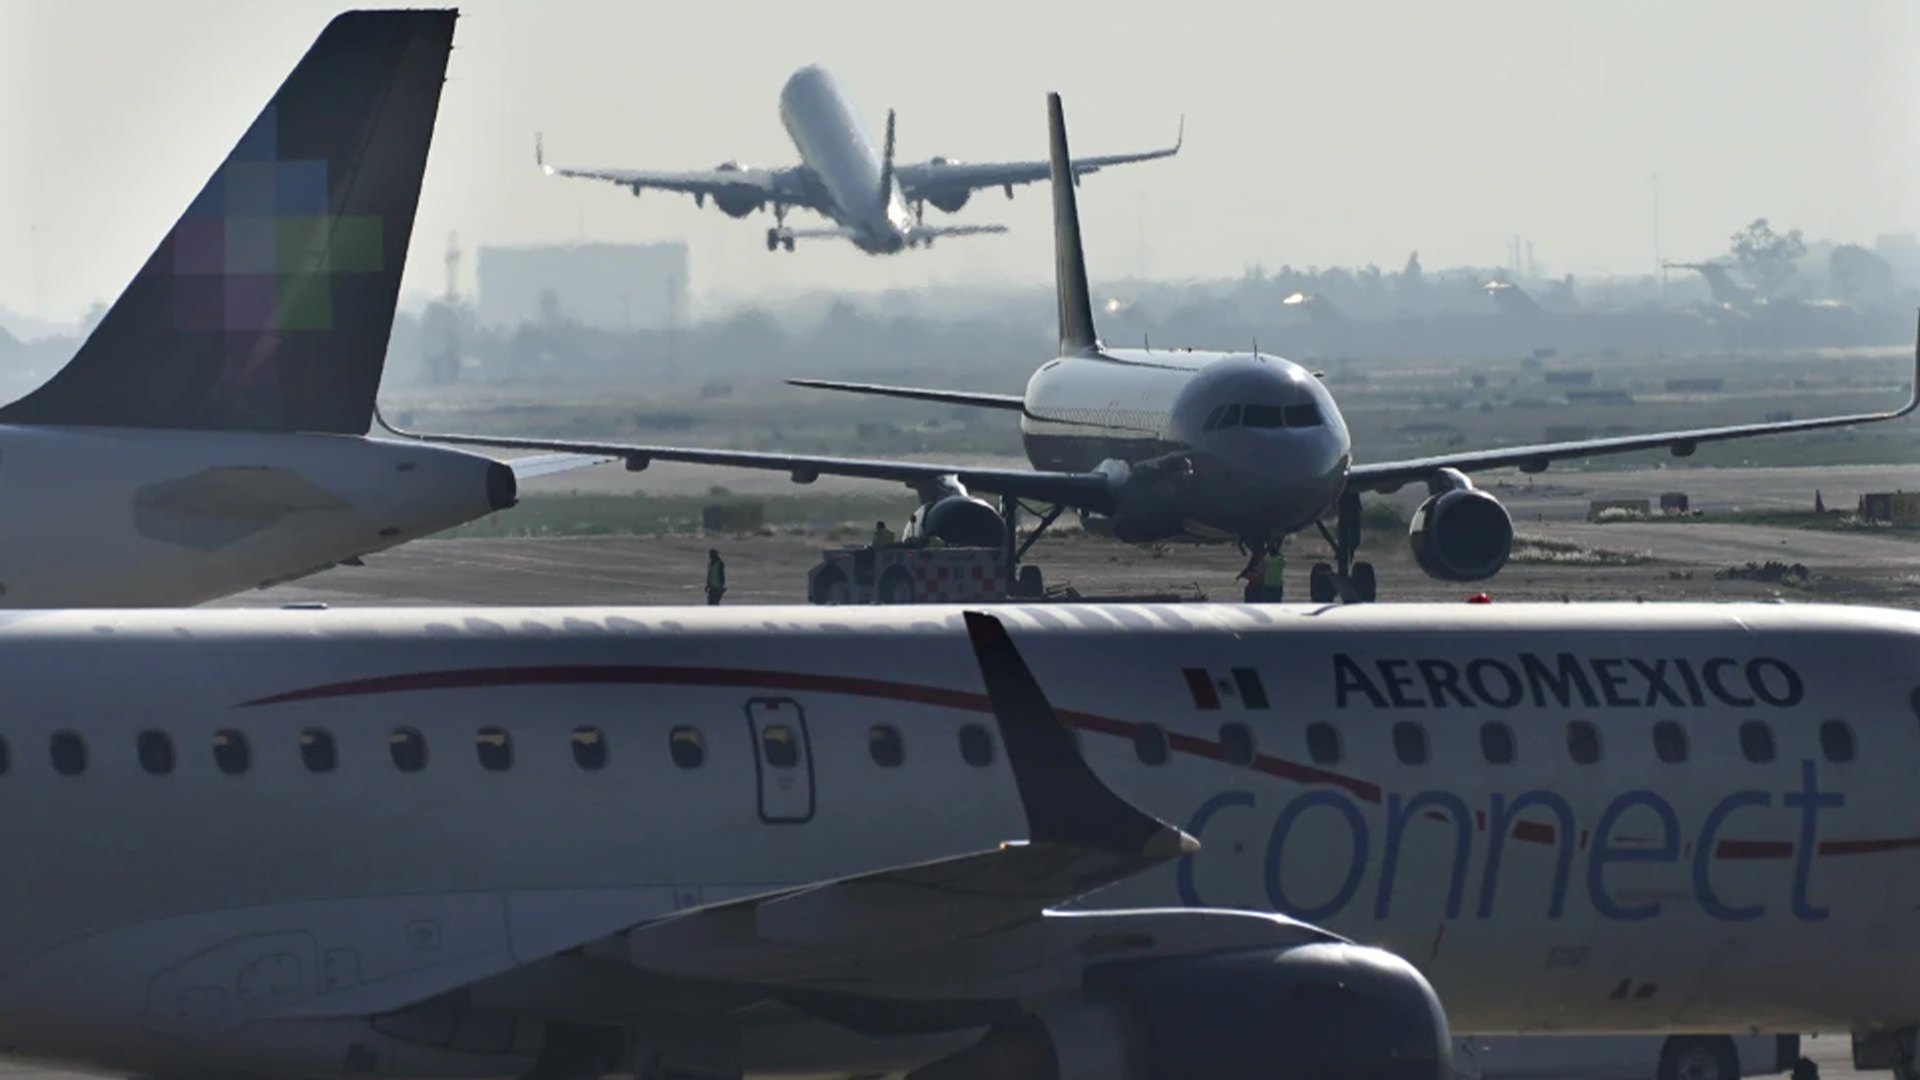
950 201
1461 535
738 202
959 521
1332 1011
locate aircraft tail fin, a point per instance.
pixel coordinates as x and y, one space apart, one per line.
886 167
1069 260
269 304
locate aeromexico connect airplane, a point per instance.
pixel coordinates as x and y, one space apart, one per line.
209 435
1106 842
1188 444
877 205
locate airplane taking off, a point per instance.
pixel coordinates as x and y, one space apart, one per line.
877 205
1180 443
574 842
209 435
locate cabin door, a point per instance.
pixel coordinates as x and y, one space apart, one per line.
782 760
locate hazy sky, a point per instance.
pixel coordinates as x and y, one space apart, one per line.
1317 133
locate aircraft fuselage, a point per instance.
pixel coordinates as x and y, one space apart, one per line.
1236 479
354 806
837 147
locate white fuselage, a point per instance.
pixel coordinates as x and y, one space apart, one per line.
96 517
833 142
1724 890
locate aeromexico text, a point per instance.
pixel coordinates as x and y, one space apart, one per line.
1566 680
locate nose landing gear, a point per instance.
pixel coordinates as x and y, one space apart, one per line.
1346 580
778 238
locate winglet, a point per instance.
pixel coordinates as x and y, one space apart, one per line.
1069 260
1913 392
540 153
1064 800
1180 136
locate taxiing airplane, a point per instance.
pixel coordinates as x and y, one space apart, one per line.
1180 443
209 435
1033 844
877 205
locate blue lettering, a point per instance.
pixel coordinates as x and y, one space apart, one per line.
1612 680
1562 679
1604 852
1501 823
1809 800
1397 816
1397 684
1183 875
1349 677
1712 671
1704 852
1790 690
1656 676
1509 693
1356 863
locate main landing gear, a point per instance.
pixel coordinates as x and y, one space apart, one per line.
779 236
1024 581
1348 581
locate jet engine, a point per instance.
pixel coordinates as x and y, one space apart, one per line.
949 201
736 202
959 521
1332 1011
1461 535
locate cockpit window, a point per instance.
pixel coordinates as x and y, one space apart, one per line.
1305 414
1263 416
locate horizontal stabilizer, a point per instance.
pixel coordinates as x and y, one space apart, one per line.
1012 402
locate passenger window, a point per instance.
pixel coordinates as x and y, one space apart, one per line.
589 748
1263 416
156 752
6 757
1670 742
230 752
409 749
317 751
1236 741
1836 741
1583 742
1496 743
1304 415
1323 743
1410 743
976 746
495 748
885 746
1756 741
1150 744
780 745
69 753
688 747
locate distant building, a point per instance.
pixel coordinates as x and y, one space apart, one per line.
610 286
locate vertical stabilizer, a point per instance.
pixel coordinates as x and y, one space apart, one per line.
1069 261
886 169
269 304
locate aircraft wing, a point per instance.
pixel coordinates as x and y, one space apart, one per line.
1389 476
940 177
1081 836
528 466
1091 491
1012 402
770 185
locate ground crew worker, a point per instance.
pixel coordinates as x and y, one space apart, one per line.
1255 577
882 536
1273 573
716 577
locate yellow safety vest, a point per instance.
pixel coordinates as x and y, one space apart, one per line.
882 537
1274 570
